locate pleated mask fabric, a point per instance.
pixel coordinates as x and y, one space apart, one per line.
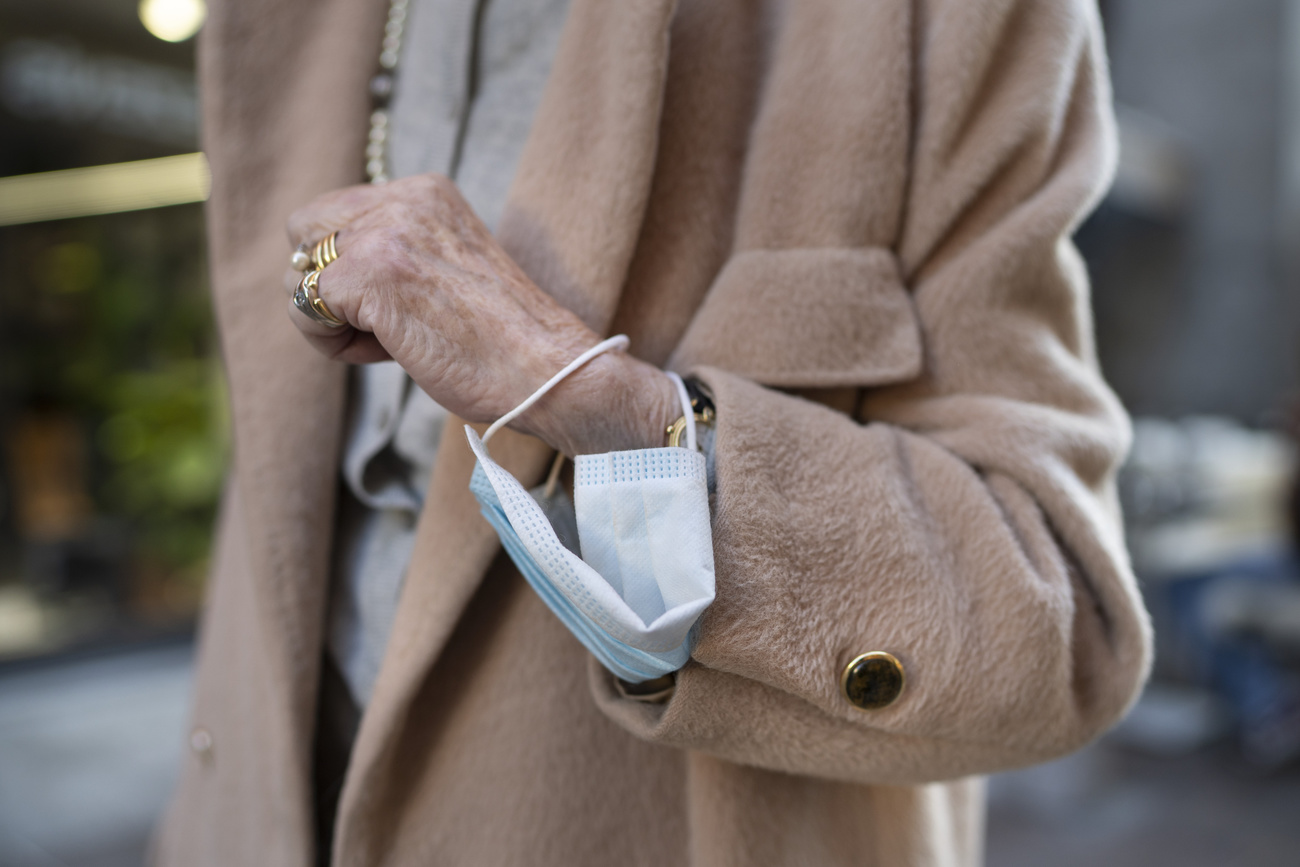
642 574
646 571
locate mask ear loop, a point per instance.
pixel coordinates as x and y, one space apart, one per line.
688 411
618 341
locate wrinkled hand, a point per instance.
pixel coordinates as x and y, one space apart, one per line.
421 280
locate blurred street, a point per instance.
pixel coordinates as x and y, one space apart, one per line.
88 753
1113 806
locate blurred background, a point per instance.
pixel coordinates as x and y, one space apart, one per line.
113 435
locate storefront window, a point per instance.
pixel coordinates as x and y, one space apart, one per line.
113 428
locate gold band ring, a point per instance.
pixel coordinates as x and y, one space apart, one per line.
307 299
308 257
325 252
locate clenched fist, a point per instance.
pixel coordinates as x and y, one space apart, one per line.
420 280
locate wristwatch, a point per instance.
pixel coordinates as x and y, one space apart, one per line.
701 406
656 691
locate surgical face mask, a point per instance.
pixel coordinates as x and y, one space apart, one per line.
641 572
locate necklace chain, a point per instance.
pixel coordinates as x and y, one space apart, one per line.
381 92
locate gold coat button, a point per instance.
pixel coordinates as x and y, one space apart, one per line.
873 680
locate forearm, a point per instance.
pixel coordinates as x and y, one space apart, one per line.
613 403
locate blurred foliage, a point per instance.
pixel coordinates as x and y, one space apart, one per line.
163 440
109 320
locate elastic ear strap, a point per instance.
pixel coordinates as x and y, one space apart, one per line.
687 410
618 341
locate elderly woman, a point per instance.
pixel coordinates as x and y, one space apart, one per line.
885 559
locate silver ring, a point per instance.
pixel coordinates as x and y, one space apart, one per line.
308 300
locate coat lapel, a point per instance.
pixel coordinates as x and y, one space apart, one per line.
287 400
572 223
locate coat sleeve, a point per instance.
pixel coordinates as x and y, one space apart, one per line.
965 520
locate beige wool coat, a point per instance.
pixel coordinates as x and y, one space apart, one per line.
851 219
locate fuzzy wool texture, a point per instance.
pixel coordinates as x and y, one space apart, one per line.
852 222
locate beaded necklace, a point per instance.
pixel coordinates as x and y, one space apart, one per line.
381 91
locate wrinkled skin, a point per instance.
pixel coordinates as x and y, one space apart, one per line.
420 280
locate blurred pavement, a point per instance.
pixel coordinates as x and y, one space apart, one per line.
88 755
1112 806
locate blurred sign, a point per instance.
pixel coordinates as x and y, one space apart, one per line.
61 83
106 189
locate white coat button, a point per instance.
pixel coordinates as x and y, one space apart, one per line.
201 743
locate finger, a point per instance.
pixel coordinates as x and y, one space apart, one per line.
311 328
361 348
306 306
340 287
342 239
290 281
342 343
345 344
330 212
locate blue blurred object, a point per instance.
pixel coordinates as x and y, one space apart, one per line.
1227 630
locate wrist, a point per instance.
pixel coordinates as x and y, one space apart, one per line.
613 403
